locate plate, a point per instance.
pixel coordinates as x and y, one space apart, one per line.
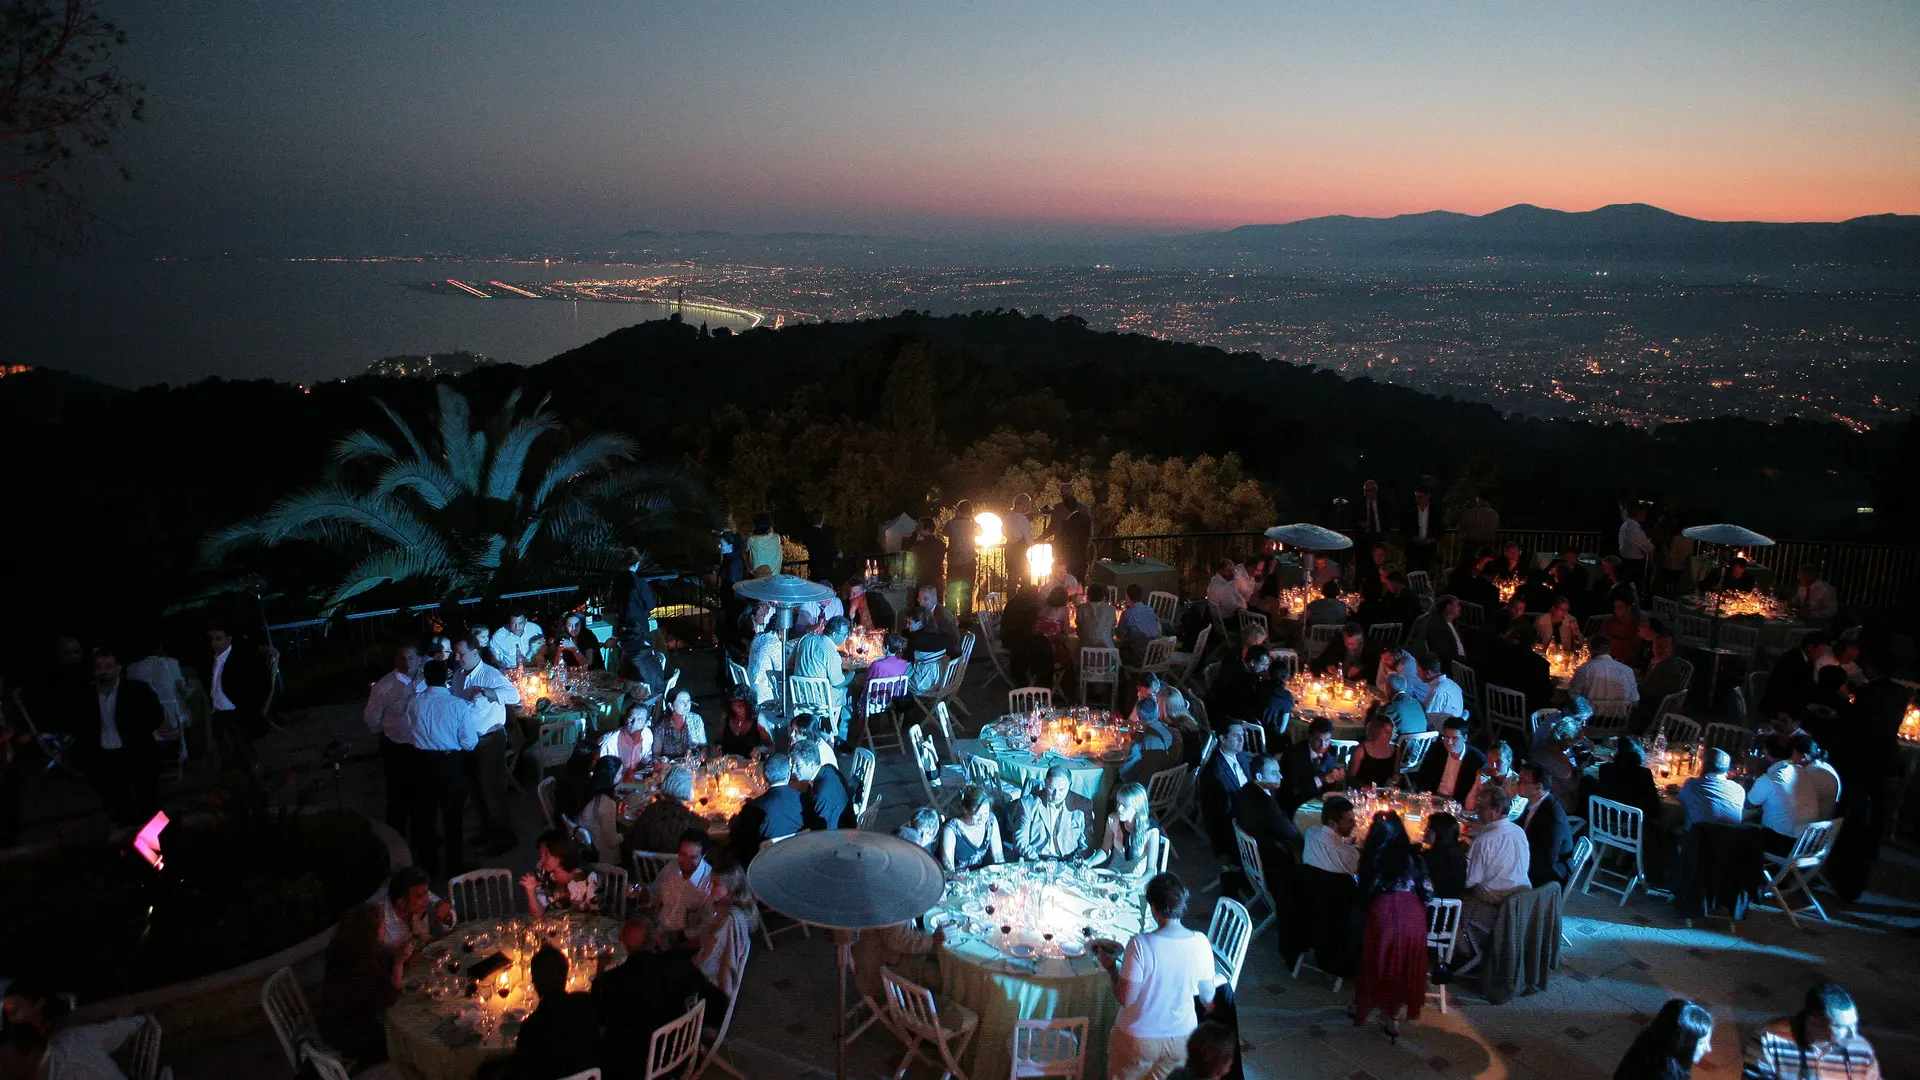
1072 948
438 950
1106 945
1021 951
973 907
939 919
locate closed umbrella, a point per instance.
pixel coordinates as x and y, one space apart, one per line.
847 881
1312 538
785 592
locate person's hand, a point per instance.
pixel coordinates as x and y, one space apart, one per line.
1338 775
1105 959
940 936
404 953
529 882
443 913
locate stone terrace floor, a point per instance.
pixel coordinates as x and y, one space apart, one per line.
1624 963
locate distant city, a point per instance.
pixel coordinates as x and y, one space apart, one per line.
1639 354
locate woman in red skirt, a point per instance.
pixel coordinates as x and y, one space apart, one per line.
1393 950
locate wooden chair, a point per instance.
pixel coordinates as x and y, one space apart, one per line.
812 695
1679 730
1256 880
287 1013
1256 739
860 778
1166 608
1100 667
1692 631
1740 640
1415 747
1023 701
1229 932
675 1049
612 900
1620 828
1795 871
941 794
1443 931
1386 634
1050 1048
1186 665
482 894
1321 636
876 703
916 1017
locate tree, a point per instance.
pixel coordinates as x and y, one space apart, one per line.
60 96
464 514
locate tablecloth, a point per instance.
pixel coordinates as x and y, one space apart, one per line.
975 975
1092 780
427 1041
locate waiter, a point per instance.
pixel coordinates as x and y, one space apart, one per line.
445 735
238 686
477 682
632 609
114 744
386 716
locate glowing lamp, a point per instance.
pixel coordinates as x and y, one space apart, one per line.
1040 563
990 534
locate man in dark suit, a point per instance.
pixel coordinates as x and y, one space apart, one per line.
1443 641
1792 686
775 813
1549 843
1311 768
648 991
562 1036
1345 656
238 685
1259 811
1221 778
113 741
823 554
632 607
1448 770
824 802
1370 522
1422 533
1393 605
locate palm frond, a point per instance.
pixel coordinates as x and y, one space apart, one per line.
342 507
406 430
385 567
362 444
510 457
464 447
589 454
428 479
486 554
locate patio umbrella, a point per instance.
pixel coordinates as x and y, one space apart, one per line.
847 881
785 592
1312 538
1728 536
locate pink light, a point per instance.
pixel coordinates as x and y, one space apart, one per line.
147 843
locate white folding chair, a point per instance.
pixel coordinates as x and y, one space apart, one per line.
287 1013
1582 857
326 1065
1679 730
1320 636
1472 616
544 791
1443 930
1024 701
738 673
1795 871
648 865
1615 827
143 1059
1166 608
613 889
860 778
1230 932
1286 664
1158 659
941 794
876 703
953 674
1050 1048
1166 795
1469 681
1740 640
1609 718
1385 634
1414 748
482 894
554 745
1184 665
812 695
1507 716
989 623
1249 619
737 966
984 773
1100 667
1256 880
916 1018
1735 739
676 1047
1692 631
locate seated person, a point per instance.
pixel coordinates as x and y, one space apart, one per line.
1625 634
1311 768
1627 780
1330 845
774 814
1498 771
741 734
971 838
1784 810
1819 783
1375 762
646 992
1713 798
362 980
1602 678
681 731
1096 619
409 909
1736 576
1446 857
1554 749
1132 843
660 823
1051 826
559 882
1497 864
562 1036
825 802
683 893
1549 841
1329 608
1344 656
632 744
1451 769
1259 812
1403 709
1558 627
922 830
600 815
1221 778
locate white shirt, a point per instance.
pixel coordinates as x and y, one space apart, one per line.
1818 599
1420 515
1224 597
394 930
763 666
684 900
631 749
1328 850
162 674
1446 698
440 721
467 685
386 711
1779 795
1499 857
1449 773
85 1051
1373 515
1821 785
1017 528
1633 541
218 694
109 727
1605 679
514 650
1160 975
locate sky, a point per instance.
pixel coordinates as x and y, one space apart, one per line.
359 126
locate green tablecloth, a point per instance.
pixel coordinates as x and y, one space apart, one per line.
974 974
1091 780
422 1037
1151 575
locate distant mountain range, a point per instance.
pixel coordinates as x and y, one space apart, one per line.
1626 231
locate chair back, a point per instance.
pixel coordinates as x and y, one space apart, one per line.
1420 583
556 741
1256 738
1757 683
677 1045
482 894
1592 625
1166 608
1472 616
1737 705
612 900
811 694
544 790
1443 927
1164 792
1319 636
1679 730
1582 854
984 772
1735 739
943 719
860 778
1250 860
1519 807
1159 654
1415 747
1813 845
1508 709
1613 824
993 603
967 642
1023 701
1469 681
1343 748
1675 702
1609 718
1386 634
1694 631
287 1013
880 693
738 673
864 821
1286 664
1230 932
1666 610
326 1066
1739 639
648 865
1099 665
1050 1048
143 1060
1199 654
1250 619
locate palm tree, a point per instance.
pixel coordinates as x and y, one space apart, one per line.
466 513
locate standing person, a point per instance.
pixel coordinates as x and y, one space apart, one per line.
765 553
1392 976
445 730
1423 531
1070 528
1635 547
823 554
1668 1049
962 534
1155 983
1370 519
386 716
927 559
633 605
481 683
237 691
519 643
1018 529
1822 1040
113 742
1480 525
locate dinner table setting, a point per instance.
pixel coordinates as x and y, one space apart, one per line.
722 786
1092 744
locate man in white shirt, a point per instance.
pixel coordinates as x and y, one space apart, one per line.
476 681
518 643
817 656
1712 798
1785 806
409 909
1635 546
1818 781
1815 601
1444 696
1497 865
445 730
1155 983
386 717
685 889
1223 596
1329 845
764 658
1603 678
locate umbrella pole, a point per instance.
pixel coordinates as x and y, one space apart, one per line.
843 952
786 627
